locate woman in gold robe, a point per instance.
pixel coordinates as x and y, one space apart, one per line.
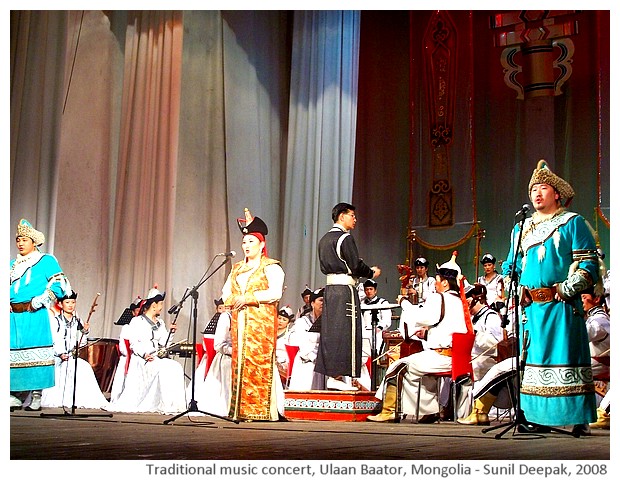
252 292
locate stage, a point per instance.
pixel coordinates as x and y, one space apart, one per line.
145 437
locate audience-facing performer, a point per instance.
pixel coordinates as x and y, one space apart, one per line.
152 384
305 308
442 314
556 262
493 282
423 285
340 345
253 289
67 331
212 392
304 376
36 282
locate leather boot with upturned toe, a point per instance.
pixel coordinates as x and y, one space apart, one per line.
388 411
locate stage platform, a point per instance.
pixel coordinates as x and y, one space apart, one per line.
333 405
146 438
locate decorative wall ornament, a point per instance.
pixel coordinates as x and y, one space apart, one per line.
537 57
440 57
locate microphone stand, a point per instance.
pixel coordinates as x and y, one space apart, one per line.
513 293
73 407
193 404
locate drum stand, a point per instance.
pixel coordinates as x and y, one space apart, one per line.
73 407
193 404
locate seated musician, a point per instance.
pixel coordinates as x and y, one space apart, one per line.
441 315
152 384
67 331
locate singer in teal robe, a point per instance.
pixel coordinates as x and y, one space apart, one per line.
557 388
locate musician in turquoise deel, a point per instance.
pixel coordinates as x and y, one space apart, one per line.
36 282
557 260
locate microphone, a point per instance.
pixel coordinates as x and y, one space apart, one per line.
172 310
230 254
523 210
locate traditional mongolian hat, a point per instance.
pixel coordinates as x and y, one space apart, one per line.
542 174
316 294
286 312
488 258
421 262
306 291
72 296
449 269
136 303
370 283
25 229
252 225
153 296
218 302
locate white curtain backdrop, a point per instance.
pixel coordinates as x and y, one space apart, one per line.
321 145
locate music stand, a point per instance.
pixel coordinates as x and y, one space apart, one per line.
193 404
519 418
374 321
73 406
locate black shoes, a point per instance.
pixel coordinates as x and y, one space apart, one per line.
432 418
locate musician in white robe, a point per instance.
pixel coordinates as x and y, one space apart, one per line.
118 382
152 384
212 392
303 376
441 315
67 331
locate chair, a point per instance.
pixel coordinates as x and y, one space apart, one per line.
462 371
291 351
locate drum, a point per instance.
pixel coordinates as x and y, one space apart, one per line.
102 354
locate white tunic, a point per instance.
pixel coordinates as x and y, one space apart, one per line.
155 386
212 391
87 391
303 376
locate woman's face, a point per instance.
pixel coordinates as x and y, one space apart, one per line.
252 246
25 245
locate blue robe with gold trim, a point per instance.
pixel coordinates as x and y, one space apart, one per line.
557 387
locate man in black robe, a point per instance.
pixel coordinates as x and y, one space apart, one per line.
340 345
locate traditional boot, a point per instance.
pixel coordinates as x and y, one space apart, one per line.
480 412
388 411
602 419
16 403
35 403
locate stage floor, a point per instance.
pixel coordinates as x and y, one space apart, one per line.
191 437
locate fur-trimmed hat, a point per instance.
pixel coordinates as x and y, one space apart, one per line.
543 174
25 229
